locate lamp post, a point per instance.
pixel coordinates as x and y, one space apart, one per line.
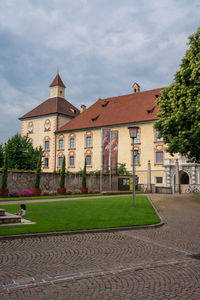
133 134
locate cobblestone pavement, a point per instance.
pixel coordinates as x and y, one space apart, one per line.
157 263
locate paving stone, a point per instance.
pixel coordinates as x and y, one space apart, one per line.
139 264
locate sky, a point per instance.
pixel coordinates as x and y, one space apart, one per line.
100 47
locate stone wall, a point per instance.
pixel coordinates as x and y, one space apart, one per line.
20 180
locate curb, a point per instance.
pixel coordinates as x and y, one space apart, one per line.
57 233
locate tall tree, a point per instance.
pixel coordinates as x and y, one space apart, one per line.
179 106
21 154
1 155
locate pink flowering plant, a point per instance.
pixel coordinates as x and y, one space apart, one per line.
25 193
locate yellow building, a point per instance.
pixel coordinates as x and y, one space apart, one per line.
41 123
64 130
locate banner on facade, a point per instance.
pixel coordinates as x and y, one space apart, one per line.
105 149
114 151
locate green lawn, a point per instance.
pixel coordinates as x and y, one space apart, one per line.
57 196
83 214
49 197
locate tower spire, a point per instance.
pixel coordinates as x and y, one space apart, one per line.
57 87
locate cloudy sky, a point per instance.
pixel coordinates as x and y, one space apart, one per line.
101 47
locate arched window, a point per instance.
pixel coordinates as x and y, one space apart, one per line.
61 142
46 161
72 141
88 158
88 140
71 160
60 159
46 143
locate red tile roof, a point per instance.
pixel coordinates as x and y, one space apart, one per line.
130 108
51 106
57 81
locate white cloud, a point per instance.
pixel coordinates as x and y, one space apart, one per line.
101 47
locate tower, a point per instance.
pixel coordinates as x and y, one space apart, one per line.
57 87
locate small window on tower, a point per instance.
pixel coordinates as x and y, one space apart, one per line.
60 92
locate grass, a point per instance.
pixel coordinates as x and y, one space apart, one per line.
57 196
83 214
49 197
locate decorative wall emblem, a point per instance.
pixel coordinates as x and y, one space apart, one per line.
30 127
47 125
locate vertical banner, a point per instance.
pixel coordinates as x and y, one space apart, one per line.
114 151
105 149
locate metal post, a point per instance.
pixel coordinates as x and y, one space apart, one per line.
133 175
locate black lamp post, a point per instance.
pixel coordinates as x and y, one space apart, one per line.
133 134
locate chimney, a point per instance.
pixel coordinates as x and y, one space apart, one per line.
136 88
83 108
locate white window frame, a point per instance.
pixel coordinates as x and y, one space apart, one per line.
86 159
61 143
88 141
45 145
156 180
158 161
46 159
60 160
72 142
70 157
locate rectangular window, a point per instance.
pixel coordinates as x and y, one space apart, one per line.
159 157
71 161
72 143
158 179
46 145
88 141
60 160
88 160
46 162
137 139
60 144
137 158
157 138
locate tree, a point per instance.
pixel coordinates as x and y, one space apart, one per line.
121 169
84 185
38 170
5 170
179 106
1 155
62 175
21 154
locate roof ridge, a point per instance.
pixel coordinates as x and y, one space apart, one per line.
141 92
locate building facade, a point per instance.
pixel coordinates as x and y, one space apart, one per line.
62 130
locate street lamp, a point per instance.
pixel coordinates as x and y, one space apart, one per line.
133 134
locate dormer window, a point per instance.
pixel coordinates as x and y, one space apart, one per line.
95 118
105 103
136 88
